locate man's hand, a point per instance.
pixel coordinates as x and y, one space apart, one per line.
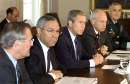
57 74
103 50
98 59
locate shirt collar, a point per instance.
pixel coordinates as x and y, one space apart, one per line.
45 51
13 60
72 35
8 20
44 47
96 31
114 22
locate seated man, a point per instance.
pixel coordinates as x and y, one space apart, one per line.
95 38
15 43
42 64
117 33
68 49
12 15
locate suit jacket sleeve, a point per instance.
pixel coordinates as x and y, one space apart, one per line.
2 24
65 54
36 68
89 45
24 75
7 70
5 76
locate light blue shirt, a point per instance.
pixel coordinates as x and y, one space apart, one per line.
13 60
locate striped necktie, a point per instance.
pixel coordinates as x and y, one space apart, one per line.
77 45
18 74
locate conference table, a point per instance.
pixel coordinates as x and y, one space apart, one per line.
104 76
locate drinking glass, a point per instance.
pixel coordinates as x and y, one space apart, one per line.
124 63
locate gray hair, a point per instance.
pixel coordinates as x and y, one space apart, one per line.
93 14
11 32
74 13
43 20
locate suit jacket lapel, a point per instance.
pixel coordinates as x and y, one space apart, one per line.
69 41
8 63
40 51
90 32
52 58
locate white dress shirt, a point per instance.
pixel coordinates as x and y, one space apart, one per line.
73 38
96 31
45 50
91 61
8 20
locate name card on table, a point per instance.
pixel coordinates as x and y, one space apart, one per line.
77 80
124 81
110 66
118 56
121 52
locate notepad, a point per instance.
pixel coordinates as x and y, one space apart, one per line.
77 80
110 66
121 52
120 71
124 81
118 56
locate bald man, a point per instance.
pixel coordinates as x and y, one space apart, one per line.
95 39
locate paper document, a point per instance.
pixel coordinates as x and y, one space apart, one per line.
120 71
77 80
121 52
110 66
118 56
124 81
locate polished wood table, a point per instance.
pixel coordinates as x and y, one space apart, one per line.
104 76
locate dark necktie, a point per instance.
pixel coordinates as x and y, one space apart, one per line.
117 28
48 60
77 46
18 73
97 41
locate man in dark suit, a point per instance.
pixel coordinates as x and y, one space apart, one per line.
117 33
15 43
12 15
95 38
69 49
42 65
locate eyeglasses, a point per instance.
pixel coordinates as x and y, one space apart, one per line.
50 30
31 40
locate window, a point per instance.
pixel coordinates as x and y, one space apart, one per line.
31 10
